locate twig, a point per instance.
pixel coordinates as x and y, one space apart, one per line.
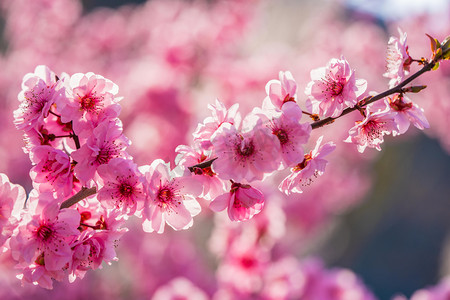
366 101
83 193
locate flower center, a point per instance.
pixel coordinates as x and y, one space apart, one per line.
336 88
248 262
333 86
44 232
281 135
88 103
165 195
126 190
246 148
373 130
398 104
108 152
303 164
288 98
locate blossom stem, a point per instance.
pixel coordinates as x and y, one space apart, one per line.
55 114
202 165
315 117
90 226
368 100
76 140
83 193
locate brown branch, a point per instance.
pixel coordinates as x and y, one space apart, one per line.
368 100
202 165
83 193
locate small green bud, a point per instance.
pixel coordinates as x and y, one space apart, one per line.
414 89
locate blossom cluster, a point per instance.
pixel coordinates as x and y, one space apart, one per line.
86 184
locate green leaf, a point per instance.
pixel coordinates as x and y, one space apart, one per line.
446 48
417 88
434 43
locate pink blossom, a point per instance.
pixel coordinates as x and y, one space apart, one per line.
40 90
266 228
281 91
291 134
439 292
53 170
188 157
220 115
370 131
122 187
91 100
333 88
179 288
245 155
242 202
87 254
341 284
105 143
12 200
241 271
407 112
38 274
398 59
313 165
170 198
334 284
45 238
94 247
46 133
284 279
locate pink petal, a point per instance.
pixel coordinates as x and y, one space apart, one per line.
220 202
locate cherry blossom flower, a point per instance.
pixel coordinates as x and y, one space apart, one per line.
265 229
242 202
53 170
178 289
281 91
291 134
370 131
188 157
333 88
248 155
91 100
170 197
398 59
335 284
38 274
94 247
284 279
220 115
87 254
45 238
12 199
105 143
341 284
40 90
313 165
407 112
46 134
242 269
122 187
441 291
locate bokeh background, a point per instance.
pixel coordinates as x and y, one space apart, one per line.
385 216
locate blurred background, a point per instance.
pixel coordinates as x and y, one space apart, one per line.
384 215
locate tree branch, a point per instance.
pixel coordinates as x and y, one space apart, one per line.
83 193
368 100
